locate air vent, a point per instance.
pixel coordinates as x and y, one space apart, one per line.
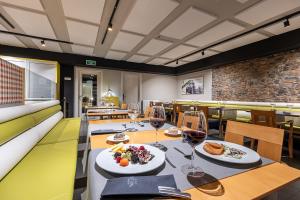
6 20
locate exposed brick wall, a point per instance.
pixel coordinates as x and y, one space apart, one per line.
272 78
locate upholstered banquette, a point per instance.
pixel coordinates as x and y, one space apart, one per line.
38 152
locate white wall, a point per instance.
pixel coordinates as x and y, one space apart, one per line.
112 80
131 87
207 86
159 87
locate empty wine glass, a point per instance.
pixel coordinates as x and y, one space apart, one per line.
194 132
157 120
133 113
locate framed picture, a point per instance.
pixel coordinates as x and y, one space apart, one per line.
193 86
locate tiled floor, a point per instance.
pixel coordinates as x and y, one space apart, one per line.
291 192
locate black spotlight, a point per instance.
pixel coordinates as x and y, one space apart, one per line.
286 23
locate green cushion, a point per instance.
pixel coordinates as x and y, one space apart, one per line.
46 113
13 128
66 129
46 173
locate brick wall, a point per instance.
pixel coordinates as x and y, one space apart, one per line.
272 78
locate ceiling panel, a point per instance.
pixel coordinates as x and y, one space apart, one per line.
137 58
186 23
158 61
87 34
279 28
50 46
154 46
198 56
32 23
175 64
33 4
216 33
82 50
90 11
147 14
126 41
115 55
267 9
10 40
241 41
178 51
242 1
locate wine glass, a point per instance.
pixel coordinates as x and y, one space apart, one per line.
194 132
157 120
133 113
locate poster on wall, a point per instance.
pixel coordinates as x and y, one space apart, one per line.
193 86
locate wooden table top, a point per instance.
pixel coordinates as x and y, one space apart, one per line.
119 112
253 184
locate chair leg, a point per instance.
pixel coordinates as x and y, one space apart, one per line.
252 143
291 142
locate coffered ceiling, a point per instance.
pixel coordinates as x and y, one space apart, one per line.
144 31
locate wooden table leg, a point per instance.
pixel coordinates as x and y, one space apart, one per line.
221 135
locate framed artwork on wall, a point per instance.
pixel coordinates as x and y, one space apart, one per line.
193 86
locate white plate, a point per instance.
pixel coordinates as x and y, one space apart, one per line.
112 139
167 132
250 157
106 161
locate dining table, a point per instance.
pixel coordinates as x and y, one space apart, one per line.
102 114
255 183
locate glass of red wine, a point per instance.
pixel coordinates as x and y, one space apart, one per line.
157 120
194 132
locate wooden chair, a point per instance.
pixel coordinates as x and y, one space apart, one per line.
268 118
269 139
263 118
124 106
190 121
147 112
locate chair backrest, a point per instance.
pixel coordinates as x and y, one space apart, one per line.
147 112
263 118
269 139
155 103
124 106
190 121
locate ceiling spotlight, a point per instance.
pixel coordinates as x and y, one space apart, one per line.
286 23
109 28
43 43
176 62
202 53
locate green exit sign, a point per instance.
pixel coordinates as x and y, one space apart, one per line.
91 62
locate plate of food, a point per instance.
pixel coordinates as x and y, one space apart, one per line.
227 152
173 131
130 159
118 137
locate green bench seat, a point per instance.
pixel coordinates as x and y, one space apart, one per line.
66 129
47 172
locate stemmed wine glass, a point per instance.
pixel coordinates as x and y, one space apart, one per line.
133 113
157 120
194 132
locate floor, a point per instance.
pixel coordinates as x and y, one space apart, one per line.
291 192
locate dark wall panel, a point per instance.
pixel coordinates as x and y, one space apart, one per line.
67 87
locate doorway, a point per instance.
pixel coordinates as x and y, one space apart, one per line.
87 89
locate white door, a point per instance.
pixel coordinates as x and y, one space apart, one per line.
88 90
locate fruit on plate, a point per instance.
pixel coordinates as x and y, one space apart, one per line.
133 155
117 147
124 162
213 148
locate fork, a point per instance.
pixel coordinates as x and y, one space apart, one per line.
173 192
187 156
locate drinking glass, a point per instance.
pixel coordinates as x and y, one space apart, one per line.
157 120
194 132
133 113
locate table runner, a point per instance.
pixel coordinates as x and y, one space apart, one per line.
116 126
215 170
